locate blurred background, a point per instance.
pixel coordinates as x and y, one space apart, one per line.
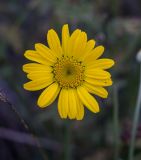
116 24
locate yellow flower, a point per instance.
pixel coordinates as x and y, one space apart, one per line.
70 69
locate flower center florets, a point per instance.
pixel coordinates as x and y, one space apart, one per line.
68 72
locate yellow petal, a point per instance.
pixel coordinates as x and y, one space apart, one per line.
45 52
54 42
63 103
97 90
35 67
38 75
72 104
89 46
79 45
87 99
80 107
37 84
34 56
103 63
99 82
71 41
65 38
80 111
94 54
60 105
48 95
97 74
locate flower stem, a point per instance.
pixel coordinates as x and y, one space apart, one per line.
67 145
116 123
135 122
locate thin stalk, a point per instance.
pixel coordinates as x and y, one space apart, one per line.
135 122
116 124
67 144
4 99
114 7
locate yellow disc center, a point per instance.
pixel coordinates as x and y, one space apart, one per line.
68 72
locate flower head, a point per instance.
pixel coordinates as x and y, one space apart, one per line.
69 70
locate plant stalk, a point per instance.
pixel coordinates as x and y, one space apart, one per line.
116 123
135 122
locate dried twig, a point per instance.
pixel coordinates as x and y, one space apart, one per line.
28 139
4 99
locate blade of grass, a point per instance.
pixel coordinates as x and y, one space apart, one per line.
116 123
135 122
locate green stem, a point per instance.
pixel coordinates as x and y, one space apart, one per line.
114 7
135 122
67 144
116 124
